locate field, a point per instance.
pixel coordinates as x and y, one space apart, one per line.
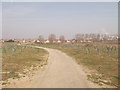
100 58
18 60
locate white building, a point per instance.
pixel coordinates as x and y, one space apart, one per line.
47 41
68 41
59 41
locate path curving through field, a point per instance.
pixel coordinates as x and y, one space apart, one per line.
60 72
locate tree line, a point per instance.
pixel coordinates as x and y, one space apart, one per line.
79 37
52 38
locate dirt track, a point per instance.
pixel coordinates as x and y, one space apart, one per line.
61 72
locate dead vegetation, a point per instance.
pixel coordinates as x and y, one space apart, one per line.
19 60
101 57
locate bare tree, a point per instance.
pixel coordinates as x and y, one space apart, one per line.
98 37
41 38
93 37
86 36
52 38
78 37
62 38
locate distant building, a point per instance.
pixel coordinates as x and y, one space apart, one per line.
68 41
24 41
46 41
58 41
73 40
37 41
1 40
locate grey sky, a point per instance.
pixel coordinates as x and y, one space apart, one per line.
29 20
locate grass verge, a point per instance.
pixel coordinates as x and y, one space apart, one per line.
98 57
19 59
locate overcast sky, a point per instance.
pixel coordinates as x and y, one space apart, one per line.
29 20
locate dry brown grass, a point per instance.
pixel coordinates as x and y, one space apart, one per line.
20 58
104 61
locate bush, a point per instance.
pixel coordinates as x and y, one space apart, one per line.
10 40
